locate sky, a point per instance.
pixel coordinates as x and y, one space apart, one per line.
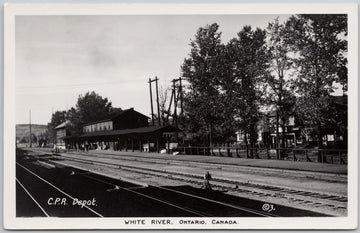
59 58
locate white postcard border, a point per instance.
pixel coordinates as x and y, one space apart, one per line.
11 10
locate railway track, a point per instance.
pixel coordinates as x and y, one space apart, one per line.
150 160
320 176
337 204
154 197
300 197
190 210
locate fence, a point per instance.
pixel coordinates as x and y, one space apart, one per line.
334 156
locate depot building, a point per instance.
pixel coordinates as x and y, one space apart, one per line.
126 130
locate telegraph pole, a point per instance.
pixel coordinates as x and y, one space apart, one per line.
30 128
181 97
151 101
171 98
174 94
175 106
157 100
175 102
176 98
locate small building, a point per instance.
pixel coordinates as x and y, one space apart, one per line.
61 132
297 134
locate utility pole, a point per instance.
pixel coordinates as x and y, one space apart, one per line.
175 106
181 97
175 102
30 128
171 98
157 100
176 99
151 101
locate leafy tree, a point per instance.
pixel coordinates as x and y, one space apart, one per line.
249 63
89 108
34 138
24 140
56 119
201 102
75 124
43 139
320 46
92 107
279 95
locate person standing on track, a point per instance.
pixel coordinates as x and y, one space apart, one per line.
207 178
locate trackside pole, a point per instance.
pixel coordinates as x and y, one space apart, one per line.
157 100
151 101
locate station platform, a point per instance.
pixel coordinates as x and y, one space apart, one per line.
261 163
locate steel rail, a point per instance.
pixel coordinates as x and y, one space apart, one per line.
148 159
186 194
47 182
28 193
198 213
229 182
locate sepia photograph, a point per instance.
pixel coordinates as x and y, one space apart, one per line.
180 116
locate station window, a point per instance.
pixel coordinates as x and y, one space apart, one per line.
330 137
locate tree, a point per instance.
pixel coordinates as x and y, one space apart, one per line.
164 101
249 63
92 107
89 108
201 102
56 119
75 124
320 46
279 94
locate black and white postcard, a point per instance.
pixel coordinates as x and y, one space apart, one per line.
180 116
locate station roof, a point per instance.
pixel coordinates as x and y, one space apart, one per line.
62 125
115 115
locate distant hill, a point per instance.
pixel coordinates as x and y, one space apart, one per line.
23 130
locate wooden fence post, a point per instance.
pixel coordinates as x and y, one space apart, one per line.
294 155
307 157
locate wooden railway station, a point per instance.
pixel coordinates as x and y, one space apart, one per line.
126 130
